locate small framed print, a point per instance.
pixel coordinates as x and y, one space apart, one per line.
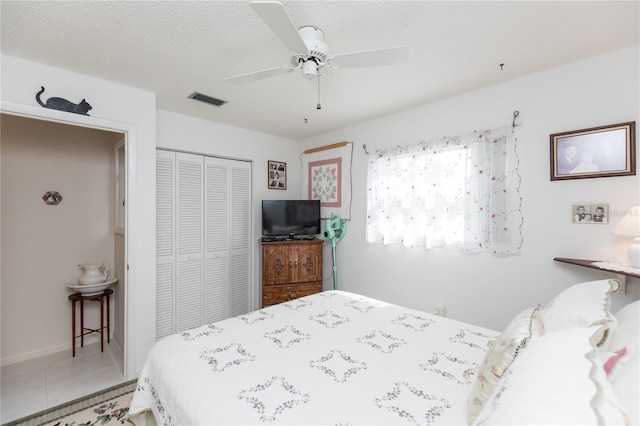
590 213
596 152
276 175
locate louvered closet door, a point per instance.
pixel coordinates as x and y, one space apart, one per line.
228 247
216 286
203 242
165 243
240 188
189 240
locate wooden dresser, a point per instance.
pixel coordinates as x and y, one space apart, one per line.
290 269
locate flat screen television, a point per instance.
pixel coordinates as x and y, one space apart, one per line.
290 217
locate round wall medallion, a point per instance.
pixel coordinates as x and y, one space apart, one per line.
52 198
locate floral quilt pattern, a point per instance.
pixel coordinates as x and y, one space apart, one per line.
325 179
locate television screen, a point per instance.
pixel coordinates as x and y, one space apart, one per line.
286 217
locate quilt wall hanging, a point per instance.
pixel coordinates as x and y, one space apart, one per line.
326 176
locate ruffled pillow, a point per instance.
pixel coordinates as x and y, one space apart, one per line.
559 379
583 305
613 361
622 358
625 382
527 325
627 328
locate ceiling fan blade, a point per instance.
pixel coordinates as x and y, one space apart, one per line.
372 58
277 18
258 75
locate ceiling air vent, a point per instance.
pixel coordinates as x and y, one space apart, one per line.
208 99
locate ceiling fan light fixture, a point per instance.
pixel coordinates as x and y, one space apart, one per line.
309 69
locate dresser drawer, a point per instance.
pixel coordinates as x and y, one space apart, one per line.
273 295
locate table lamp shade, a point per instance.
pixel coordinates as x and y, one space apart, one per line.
629 226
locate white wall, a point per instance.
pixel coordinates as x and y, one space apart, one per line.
121 107
484 289
487 289
117 107
43 244
185 133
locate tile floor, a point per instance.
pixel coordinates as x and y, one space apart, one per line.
36 384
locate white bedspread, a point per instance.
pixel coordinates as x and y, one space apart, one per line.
330 358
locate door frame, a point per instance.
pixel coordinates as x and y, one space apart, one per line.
130 242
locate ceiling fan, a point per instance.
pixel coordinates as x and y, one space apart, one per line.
307 48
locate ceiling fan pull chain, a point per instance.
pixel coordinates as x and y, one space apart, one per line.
318 106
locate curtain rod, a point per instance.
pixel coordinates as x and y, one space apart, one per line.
364 146
323 148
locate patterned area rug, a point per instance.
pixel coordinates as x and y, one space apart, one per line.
109 406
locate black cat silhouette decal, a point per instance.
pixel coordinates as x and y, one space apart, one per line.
64 105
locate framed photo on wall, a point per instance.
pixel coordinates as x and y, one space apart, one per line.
596 152
590 213
276 175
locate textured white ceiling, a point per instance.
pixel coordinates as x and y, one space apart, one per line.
174 48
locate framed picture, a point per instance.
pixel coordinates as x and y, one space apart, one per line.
590 213
276 175
596 152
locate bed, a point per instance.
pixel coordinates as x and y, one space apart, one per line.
341 358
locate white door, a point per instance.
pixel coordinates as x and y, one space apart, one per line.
216 285
189 240
240 209
165 242
203 228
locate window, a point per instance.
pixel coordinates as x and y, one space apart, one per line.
460 192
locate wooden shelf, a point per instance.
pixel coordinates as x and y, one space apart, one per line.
590 264
621 275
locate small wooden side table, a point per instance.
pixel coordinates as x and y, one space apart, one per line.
79 297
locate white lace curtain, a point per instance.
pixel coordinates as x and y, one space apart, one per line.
460 192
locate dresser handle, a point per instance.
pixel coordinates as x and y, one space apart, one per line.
293 295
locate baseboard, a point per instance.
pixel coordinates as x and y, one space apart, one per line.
118 342
46 351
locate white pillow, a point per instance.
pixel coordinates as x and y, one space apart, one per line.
613 361
582 305
622 359
627 328
501 353
626 383
559 379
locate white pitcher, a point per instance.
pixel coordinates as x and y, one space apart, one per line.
93 274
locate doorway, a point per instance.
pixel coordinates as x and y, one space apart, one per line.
43 243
